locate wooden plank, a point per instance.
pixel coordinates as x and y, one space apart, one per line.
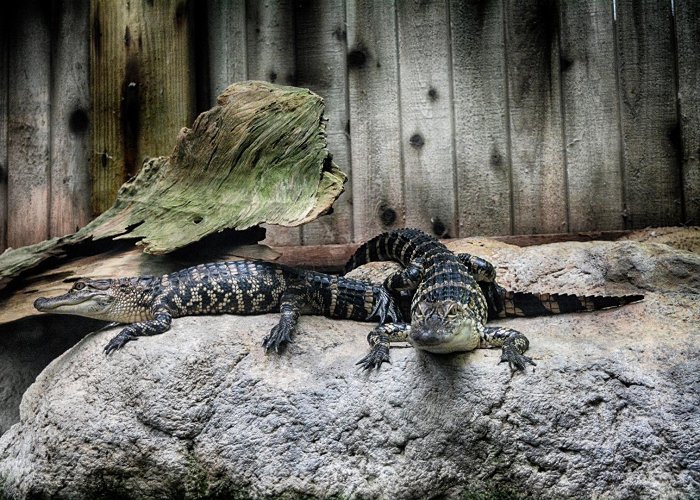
591 115
332 258
70 105
321 50
687 42
426 116
227 45
142 87
377 180
271 58
28 126
534 95
650 129
482 147
4 84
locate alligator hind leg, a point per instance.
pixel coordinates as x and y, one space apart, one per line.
379 340
406 280
159 324
512 342
485 275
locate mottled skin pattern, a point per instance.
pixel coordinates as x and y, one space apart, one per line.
452 297
448 310
148 304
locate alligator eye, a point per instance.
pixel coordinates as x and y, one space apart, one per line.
79 285
453 312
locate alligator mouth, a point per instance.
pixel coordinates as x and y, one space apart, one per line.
47 304
440 341
425 337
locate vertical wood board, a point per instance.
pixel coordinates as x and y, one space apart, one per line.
270 29
591 115
688 43
373 74
321 48
142 87
28 133
70 105
650 129
482 146
534 96
227 45
426 116
4 116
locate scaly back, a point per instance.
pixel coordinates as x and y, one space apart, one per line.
445 278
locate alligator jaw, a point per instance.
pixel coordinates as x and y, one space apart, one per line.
458 337
60 304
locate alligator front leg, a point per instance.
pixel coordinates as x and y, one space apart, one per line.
159 324
379 340
513 345
291 304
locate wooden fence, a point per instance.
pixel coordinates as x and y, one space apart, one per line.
458 117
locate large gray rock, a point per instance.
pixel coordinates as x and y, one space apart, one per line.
612 408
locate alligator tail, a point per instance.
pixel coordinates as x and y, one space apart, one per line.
523 304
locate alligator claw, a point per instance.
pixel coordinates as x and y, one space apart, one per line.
119 341
280 335
515 360
378 355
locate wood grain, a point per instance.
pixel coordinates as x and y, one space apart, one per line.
482 146
226 27
591 115
70 105
141 87
650 129
426 116
4 116
373 73
28 131
534 96
321 49
271 58
687 42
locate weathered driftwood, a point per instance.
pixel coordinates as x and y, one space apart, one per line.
259 156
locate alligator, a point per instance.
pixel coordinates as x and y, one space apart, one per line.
149 303
452 296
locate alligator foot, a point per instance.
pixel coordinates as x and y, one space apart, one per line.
378 355
515 360
280 335
119 341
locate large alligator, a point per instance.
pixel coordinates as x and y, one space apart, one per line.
453 296
149 303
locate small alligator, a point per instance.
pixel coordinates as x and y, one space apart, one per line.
452 297
149 303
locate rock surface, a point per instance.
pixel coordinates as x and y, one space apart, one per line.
612 408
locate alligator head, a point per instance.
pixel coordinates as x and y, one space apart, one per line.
442 327
104 299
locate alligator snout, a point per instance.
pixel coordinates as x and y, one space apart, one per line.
41 304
